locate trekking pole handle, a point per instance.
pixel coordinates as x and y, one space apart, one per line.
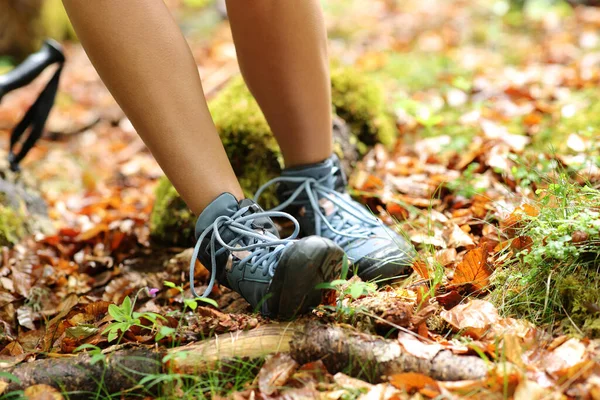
31 67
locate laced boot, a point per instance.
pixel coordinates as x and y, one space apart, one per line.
240 245
316 195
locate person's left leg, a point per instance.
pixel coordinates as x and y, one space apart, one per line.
282 52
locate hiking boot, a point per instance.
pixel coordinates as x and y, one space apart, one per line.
240 245
316 195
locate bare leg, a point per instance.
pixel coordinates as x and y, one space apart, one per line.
144 60
282 51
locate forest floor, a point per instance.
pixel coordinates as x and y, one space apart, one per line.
495 179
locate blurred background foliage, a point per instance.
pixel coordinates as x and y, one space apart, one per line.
431 58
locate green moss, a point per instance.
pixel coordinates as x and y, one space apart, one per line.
247 138
555 281
580 292
12 226
359 101
171 220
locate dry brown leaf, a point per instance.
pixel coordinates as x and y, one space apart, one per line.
449 300
436 239
397 211
521 243
92 232
421 268
473 270
458 238
446 256
512 222
42 392
412 382
382 391
346 381
417 348
275 373
473 318
513 350
568 355
530 390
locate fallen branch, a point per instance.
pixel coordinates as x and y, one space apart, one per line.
373 358
365 356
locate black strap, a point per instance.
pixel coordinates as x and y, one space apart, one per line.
30 129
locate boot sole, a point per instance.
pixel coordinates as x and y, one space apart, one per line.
310 261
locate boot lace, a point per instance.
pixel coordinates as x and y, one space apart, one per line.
347 222
265 249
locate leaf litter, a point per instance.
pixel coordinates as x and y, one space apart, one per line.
459 183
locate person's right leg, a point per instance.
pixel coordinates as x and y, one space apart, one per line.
143 58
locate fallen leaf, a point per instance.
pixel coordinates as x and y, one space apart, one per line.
473 318
449 300
275 372
566 356
445 256
434 239
417 348
397 211
473 270
521 243
42 392
458 238
420 267
412 382
530 390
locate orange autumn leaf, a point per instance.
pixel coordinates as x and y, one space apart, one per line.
473 270
512 223
532 119
92 232
397 211
421 268
412 382
521 243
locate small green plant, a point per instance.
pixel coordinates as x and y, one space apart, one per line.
190 303
469 184
94 352
551 277
125 318
347 289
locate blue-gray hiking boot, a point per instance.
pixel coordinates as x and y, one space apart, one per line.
316 195
240 245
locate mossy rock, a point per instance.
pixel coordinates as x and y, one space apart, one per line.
361 120
22 212
25 23
359 100
580 292
575 308
171 220
12 225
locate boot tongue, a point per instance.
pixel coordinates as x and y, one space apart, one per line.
225 204
317 171
322 172
262 223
